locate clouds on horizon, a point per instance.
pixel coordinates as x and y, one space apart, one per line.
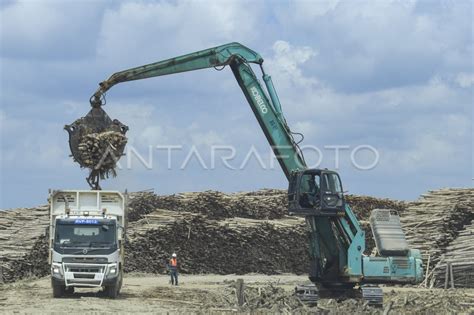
395 75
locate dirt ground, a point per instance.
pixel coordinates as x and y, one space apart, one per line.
144 293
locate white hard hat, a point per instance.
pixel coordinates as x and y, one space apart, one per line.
174 255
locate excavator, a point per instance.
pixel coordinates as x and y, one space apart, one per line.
337 241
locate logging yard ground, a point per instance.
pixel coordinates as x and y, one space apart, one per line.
146 293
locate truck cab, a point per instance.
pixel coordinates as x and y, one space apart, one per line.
86 238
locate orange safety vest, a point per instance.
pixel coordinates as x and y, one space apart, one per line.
174 262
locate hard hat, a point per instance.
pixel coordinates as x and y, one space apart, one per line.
174 255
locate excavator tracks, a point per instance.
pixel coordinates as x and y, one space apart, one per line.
310 294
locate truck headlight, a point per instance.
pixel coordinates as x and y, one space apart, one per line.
113 270
56 268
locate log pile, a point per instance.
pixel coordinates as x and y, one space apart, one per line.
101 151
362 206
239 233
460 254
235 245
23 244
435 220
261 204
265 204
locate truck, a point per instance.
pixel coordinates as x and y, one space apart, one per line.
86 240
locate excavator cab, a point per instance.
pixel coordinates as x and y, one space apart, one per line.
316 192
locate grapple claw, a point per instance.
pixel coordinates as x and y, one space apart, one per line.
97 142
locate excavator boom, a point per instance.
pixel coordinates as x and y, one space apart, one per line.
208 58
264 103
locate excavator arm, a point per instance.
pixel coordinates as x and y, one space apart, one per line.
264 104
208 58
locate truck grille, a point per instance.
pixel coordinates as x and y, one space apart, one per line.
85 260
84 274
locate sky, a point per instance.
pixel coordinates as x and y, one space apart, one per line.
390 83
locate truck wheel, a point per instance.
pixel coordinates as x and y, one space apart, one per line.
112 291
58 290
119 285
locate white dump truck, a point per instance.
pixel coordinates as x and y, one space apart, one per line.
86 243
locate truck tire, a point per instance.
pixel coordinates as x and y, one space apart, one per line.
112 291
120 283
58 290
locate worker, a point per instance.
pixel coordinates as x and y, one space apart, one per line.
173 268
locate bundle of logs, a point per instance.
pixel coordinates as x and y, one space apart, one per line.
456 266
435 220
101 151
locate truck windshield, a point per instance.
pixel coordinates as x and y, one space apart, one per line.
85 233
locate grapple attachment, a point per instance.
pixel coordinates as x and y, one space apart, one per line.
97 142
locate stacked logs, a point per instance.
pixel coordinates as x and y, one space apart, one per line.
240 233
435 220
262 204
362 206
101 151
460 254
209 246
23 244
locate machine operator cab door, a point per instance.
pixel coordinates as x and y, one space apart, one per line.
316 192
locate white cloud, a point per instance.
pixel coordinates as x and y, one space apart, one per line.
305 11
286 63
409 125
154 31
366 46
465 80
49 29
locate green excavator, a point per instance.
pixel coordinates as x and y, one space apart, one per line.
337 241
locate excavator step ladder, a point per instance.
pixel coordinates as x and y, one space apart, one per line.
373 294
307 294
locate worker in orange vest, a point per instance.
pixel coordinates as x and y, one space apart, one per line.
173 267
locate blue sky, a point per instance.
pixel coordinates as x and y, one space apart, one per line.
395 75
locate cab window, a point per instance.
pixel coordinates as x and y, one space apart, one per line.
309 190
332 183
